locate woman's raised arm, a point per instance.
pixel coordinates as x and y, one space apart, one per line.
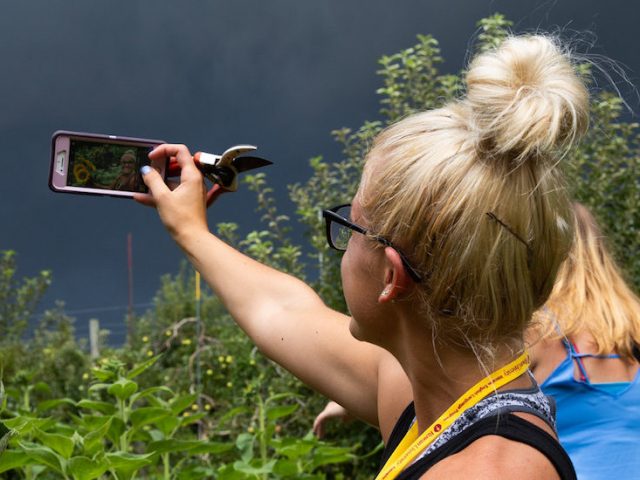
285 318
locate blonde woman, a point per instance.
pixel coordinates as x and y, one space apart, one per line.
452 241
582 354
585 360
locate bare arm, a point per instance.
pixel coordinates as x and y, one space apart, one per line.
285 318
331 411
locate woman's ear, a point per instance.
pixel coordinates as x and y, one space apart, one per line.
397 280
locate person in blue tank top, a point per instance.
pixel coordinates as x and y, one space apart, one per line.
582 355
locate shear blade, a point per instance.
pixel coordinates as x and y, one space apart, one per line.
242 164
231 153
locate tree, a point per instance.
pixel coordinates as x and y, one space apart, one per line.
605 175
18 297
604 171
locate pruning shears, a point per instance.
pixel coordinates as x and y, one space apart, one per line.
222 170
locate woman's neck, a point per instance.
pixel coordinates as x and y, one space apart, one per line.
440 378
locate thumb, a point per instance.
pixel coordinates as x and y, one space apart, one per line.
153 180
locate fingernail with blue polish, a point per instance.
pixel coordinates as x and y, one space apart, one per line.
145 169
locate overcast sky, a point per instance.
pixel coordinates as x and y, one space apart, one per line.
279 74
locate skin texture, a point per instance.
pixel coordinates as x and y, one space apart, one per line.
374 363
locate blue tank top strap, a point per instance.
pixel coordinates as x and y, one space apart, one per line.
577 357
573 353
593 355
556 324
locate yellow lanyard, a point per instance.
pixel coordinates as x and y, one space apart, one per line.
412 445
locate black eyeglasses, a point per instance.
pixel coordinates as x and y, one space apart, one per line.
339 228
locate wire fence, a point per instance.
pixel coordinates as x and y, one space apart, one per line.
112 318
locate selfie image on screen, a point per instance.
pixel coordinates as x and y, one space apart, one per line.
108 166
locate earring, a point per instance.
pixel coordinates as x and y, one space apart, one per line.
386 291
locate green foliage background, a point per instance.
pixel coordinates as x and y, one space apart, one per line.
186 399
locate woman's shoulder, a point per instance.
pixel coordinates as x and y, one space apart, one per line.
545 355
503 446
494 457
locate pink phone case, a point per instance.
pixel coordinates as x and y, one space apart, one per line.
95 164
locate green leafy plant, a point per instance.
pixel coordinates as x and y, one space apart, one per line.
265 451
119 430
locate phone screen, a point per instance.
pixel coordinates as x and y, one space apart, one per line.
107 166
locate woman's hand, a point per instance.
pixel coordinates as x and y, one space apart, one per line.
182 210
331 410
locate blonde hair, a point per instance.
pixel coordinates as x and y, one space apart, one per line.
590 295
472 195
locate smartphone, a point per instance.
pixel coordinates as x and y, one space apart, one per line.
94 164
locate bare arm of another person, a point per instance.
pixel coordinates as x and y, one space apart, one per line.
330 411
285 318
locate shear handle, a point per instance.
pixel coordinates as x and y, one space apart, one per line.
173 168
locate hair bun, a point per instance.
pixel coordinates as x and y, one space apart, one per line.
526 99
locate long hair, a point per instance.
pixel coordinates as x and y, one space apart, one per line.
591 295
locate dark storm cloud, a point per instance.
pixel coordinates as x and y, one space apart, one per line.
280 74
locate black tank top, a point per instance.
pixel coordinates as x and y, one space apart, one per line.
501 423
